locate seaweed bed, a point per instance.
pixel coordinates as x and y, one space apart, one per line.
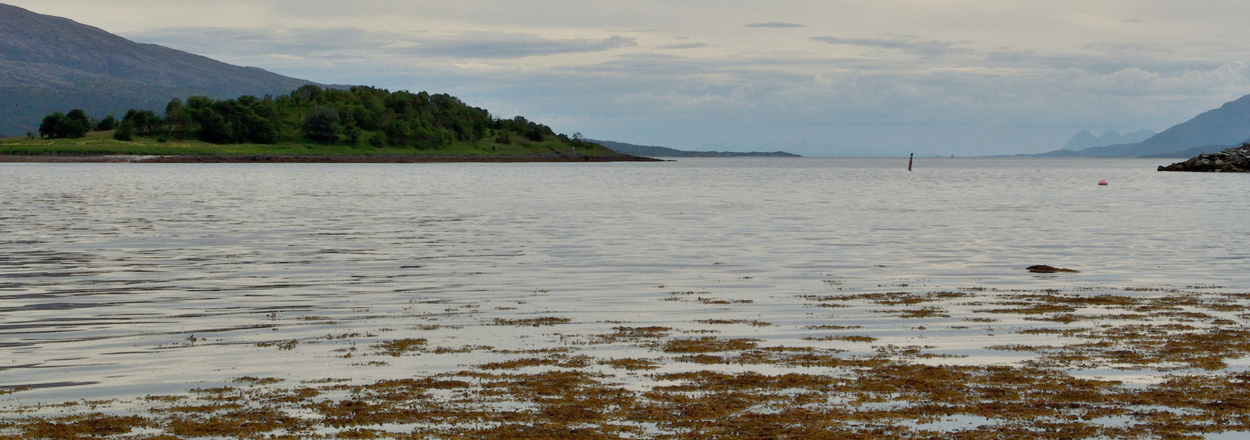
694 384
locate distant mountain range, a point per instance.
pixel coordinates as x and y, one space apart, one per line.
640 150
52 64
1209 132
1084 139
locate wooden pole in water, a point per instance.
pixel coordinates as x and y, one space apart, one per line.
909 161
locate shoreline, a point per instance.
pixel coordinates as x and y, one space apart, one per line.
48 158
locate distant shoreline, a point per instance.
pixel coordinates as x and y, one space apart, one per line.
653 151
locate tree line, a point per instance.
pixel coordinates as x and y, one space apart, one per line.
364 116
75 124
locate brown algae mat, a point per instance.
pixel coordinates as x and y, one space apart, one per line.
1070 353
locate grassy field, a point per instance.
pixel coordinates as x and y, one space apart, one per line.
102 143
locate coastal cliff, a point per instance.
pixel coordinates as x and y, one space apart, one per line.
1232 160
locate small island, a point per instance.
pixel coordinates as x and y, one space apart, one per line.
311 124
1232 160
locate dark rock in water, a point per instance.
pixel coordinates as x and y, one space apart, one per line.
1232 160
1042 268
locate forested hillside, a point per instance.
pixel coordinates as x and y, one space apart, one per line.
352 124
364 116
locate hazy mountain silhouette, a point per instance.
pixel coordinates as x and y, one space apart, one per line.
1213 130
1084 139
52 64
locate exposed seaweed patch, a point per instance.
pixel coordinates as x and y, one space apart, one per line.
892 298
400 347
631 364
694 386
1162 347
922 312
872 399
258 381
843 338
80 426
532 322
832 327
724 301
752 323
708 345
636 335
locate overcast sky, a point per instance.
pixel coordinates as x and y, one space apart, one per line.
825 77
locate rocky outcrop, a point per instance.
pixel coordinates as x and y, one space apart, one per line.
1232 160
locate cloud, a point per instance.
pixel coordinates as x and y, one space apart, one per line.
500 45
681 78
680 102
682 46
1009 57
350 43
1139 82
778 25
904 44
694 101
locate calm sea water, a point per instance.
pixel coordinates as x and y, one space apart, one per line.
131 279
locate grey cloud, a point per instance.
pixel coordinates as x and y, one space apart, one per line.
253 41
907 45
1126 47
1098 63
498 45
671 63
1009 57
350 43
682 46
819 97
779 25
670 92
1104 60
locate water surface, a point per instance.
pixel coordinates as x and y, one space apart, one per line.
134 279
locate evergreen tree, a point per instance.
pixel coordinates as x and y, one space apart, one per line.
125 132
106 124
76 124
51 125
321 124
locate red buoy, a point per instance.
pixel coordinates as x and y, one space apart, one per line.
1102 182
